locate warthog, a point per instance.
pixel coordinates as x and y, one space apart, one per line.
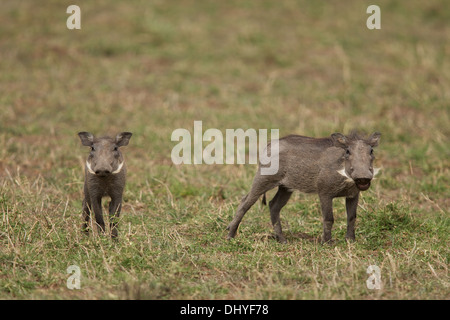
105 174
336 166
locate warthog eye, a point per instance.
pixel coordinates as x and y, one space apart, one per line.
116 148
92 148
347 152
371 151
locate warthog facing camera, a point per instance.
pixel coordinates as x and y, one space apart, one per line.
105 174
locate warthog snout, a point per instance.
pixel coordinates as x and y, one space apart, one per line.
362 180
363 183
102 173
103 168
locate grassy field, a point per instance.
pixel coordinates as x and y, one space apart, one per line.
150 67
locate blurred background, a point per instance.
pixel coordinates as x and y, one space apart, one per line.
150 67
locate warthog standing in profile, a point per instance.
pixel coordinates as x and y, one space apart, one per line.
104 176
336 166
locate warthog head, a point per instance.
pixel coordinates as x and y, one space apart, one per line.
358 157
105 157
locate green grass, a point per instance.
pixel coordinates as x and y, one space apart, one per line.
310 68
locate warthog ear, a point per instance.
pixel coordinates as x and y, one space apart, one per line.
86 138
339 140
123 138
374 139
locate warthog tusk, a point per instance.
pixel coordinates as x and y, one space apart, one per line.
88 166
118 168
343 173
376 171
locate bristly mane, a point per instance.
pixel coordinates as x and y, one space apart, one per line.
355 135
96 139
